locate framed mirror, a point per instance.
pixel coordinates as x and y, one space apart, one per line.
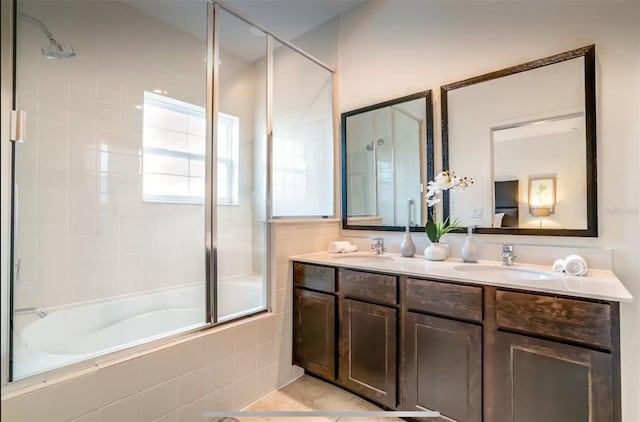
387 157
527 136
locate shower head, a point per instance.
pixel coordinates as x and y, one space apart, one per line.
371 146
55 50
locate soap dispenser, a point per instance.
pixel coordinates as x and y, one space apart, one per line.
469 250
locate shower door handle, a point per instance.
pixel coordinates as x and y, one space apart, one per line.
18 276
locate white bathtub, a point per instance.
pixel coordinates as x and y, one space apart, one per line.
73 333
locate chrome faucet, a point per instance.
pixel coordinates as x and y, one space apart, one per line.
38 311
507 255
378 246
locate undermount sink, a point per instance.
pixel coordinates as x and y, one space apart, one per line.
510 273
362 257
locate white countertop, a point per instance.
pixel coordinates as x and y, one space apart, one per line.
598 284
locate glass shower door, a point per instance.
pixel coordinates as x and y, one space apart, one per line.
109 225
241 167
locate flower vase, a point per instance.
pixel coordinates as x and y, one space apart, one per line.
436 251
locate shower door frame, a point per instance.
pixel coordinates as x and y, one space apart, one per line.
9 38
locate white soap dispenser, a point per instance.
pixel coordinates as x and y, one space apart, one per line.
469 250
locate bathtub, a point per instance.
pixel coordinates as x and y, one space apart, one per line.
78 332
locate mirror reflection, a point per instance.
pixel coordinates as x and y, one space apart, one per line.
385 147
523 136
539 174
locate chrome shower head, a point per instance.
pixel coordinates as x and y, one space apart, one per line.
372 145
55 51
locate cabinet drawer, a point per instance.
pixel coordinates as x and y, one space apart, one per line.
565 319
314 277
454 300
376 288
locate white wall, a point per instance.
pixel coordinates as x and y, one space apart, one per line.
559 155
475 110
388 49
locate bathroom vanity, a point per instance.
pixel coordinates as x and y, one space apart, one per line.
489 343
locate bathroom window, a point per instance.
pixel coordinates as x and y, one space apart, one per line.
174 138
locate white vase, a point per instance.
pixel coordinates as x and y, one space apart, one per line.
436 252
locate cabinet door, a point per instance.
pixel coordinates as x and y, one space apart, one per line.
539 380
314 340
368 350
442 367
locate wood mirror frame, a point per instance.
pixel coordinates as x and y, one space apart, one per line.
428 162
588 53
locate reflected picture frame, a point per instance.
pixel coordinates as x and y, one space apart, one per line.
542 195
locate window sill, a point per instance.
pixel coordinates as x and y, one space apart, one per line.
160 202
295 220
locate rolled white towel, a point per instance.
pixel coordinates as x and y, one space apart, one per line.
575 265
350 248
338 245
558 265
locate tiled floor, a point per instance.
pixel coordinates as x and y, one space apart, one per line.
308 393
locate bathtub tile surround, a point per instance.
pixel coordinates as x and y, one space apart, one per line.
223 368
176 379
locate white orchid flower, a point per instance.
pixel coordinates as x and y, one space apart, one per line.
431 202
443 181
432 189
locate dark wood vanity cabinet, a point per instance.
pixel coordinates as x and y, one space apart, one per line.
472 352
314 336
314 320
541 380
367 339
442 367
555 359
367 347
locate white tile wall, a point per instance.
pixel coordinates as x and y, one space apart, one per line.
224 368
85 232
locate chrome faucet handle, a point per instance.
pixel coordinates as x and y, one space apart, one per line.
507 255
379 245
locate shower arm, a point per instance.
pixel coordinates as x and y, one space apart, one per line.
39 24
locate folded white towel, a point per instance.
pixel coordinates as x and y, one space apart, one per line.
342 247
558 265
575 265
